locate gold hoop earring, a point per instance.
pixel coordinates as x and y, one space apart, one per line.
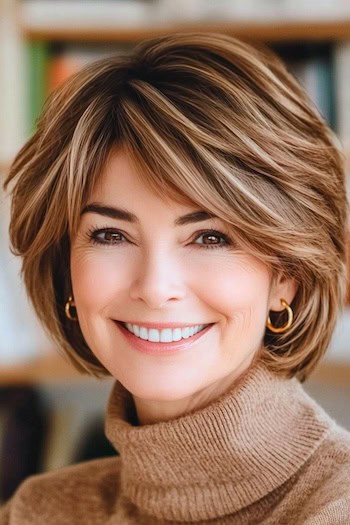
70 303
287 325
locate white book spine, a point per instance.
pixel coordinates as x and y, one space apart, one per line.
342 74
22 336
12 83
46 14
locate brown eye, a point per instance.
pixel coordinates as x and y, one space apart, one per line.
111 236
106 237
213 239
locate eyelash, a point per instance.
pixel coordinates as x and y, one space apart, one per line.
94 232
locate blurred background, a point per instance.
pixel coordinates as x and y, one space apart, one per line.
49 415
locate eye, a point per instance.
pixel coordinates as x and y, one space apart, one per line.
213 235
113 237
105 236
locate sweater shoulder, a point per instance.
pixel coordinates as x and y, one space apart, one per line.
88 475
328 494
334 456
72 494
332 459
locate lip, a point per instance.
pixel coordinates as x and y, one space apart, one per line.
164 349
160 326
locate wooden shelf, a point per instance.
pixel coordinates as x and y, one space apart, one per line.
269 31
53 368
48 368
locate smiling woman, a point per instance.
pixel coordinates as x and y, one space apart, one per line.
157 272
181 216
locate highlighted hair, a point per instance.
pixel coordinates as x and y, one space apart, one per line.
209 120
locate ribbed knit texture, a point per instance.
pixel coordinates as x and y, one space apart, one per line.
262 453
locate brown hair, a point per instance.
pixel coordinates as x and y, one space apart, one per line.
209 119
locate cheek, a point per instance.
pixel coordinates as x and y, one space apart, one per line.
97 280
239 289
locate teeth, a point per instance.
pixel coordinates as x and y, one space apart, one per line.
167 335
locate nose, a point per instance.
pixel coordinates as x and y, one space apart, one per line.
159 280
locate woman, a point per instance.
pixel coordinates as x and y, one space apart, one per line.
181 215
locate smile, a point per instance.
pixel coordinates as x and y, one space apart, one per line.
165 342
166 335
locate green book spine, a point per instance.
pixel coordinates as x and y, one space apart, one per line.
37 62
325 92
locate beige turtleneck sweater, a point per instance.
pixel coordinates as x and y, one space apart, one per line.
263 453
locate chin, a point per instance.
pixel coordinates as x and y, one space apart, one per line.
157 390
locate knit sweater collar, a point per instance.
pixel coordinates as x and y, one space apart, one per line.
221 458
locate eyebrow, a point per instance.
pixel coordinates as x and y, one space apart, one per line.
124 215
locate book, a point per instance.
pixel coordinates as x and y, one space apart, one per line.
313 67
342 83
37 53
23 436
12 84
75 14
93 442
21 335
75 424
67 59
59 444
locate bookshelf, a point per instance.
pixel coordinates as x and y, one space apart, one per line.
50 366
268 31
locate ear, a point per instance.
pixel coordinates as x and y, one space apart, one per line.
282 288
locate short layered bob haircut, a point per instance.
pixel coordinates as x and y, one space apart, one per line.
209 120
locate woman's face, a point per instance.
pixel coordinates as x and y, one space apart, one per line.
153 270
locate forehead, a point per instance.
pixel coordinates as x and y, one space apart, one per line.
122 182
119 175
